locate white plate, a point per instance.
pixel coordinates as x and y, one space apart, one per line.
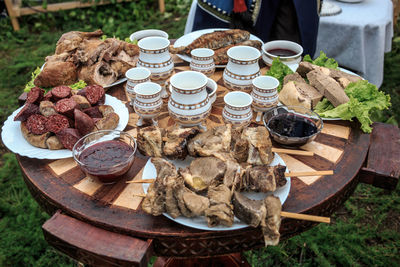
149 172
15 141
190 37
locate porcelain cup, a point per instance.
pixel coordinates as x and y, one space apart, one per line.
282 44
237 110
154 55
135 76
203 61
264 94
242 68
148 101
189 104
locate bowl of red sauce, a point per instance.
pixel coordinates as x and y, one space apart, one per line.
292 125
288 52
105 155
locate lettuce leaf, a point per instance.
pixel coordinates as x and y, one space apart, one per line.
365 99
30 84
78 85
279 71
322 61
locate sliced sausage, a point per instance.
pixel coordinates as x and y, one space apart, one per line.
54 143
82 102
35 95
82 92
37 140
27 110
37 124
83 123
57 122
48 96
68 137
47 108
66 107
94 112
95 94
61 92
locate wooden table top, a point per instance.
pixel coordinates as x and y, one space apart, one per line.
61 185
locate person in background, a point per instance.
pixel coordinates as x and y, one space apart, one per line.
293 20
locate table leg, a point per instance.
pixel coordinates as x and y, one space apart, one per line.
234 260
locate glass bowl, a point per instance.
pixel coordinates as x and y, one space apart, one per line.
106 155
292 125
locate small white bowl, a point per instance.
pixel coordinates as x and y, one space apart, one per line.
147 33
282 44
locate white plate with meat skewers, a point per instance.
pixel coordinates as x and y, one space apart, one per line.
187 39
14 140
199 222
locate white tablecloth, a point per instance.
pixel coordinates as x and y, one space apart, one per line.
358 37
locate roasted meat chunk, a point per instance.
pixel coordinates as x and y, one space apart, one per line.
250 211
149 140
270 226
259 145
263 178
176 140
203 172
213 142
221 209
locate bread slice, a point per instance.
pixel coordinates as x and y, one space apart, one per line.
299 94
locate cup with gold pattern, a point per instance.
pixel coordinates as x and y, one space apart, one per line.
203 61
148 102
242 68
264 94
154 55
135 76
189 104
237 110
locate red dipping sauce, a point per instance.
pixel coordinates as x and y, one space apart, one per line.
107 160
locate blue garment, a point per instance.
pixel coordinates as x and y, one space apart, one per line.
306 10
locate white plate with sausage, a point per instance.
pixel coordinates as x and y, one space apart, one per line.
15 141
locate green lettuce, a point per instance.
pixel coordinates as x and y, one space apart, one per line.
279 71
322 61
30 84
365 99
78 85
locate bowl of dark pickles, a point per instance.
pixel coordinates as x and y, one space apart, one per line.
292 125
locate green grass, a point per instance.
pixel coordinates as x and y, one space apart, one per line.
366 230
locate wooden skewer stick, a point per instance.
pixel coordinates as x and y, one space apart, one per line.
292 151
290 215
143 181
287 174
305 217
311 173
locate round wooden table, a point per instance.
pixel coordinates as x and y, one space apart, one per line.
104 224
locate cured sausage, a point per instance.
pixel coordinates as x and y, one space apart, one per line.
47 108
57 122
35 95
66 107
48 96
37 124
61 92
68 137
27 110
82 102
83 123
94 112
37 140
95 94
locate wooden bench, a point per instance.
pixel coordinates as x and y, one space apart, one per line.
15 10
